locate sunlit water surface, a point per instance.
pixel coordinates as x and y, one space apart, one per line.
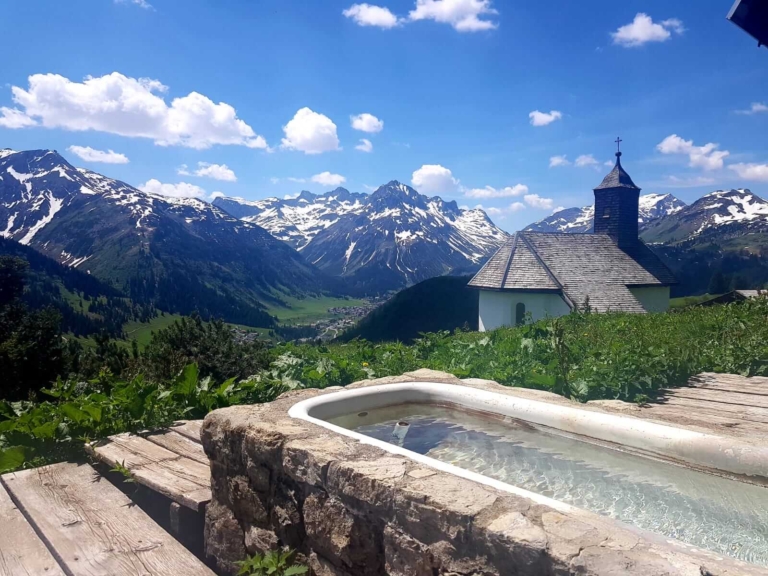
718 514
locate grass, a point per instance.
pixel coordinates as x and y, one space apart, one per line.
308 310
142 331
583 356
691 300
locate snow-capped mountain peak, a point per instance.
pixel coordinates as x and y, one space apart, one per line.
579 220
387 239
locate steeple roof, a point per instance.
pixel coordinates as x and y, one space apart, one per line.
617 178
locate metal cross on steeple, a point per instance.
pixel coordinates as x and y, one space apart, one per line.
618 144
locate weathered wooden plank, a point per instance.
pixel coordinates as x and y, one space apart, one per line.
757 385
181 479
680 416
94 528
704 407
21 550
190 429
130 450
719 396
180 445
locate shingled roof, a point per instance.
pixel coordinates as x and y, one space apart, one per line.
577 266
617 178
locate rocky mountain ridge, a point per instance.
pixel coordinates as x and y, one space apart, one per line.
389 239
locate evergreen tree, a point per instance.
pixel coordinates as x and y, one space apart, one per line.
718 284
31 347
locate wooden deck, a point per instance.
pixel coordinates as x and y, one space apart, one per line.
723 404
66 519
170 462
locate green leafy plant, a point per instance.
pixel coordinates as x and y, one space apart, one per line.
272 563
121 469
584 356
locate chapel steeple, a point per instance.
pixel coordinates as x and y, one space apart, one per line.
617 205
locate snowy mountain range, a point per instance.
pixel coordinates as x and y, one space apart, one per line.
579 220
720 216
385 240
729 217
295 220
179 254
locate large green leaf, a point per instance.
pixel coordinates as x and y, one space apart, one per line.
6 410
186 382
74 413
45 431
11 458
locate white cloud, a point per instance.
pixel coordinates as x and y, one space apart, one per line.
180 190
502 212
274 180
434 179
758 172
297 180
463 15
14 118
643 29
365 145
490 192
131 107
217 194
585 160
555 161
609 163
370 188
90 155
311 133
536 201
291 196
328 179
558 209
755 108
370 15
140 3
543 118
692 182
707 157
215 171
366 123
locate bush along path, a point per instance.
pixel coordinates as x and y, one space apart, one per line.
583 356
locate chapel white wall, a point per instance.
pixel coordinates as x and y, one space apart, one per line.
497 309
653 298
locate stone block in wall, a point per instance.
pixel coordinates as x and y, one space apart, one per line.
285 513
343 538
224 543
307 460
406 556
367 486
441 507
260 540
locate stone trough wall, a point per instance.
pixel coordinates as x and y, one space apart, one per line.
350 509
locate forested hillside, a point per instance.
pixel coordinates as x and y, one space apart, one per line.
86 305
442 303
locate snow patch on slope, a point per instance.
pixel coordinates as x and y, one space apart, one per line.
54 205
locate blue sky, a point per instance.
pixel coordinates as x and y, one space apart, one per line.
449 85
